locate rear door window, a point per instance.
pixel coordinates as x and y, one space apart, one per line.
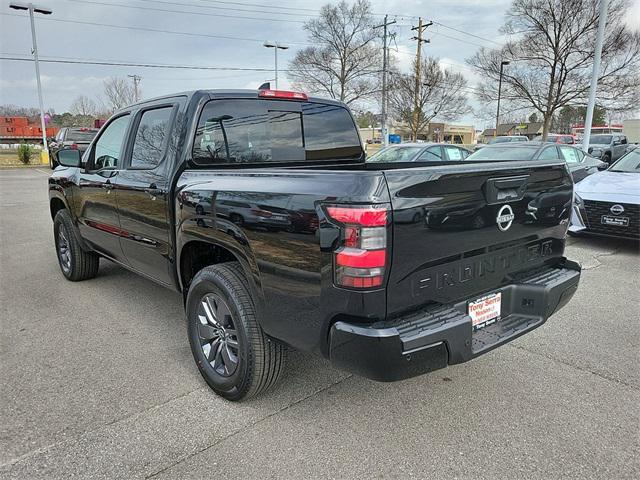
454 154
241 131
570 155
151 138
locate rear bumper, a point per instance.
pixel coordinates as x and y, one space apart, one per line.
432 339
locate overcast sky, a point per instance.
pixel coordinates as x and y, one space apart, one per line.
61 38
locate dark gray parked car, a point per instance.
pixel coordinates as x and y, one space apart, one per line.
580 164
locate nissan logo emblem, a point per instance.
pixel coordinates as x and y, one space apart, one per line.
616 209
505 218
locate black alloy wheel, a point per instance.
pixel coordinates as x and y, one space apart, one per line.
218 334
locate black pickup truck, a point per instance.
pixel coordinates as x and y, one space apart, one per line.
261 209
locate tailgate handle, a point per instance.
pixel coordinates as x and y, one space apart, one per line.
506 189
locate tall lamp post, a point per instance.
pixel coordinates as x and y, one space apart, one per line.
31 8
276 46
602 22
502 64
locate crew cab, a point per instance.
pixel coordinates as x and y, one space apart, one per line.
259 207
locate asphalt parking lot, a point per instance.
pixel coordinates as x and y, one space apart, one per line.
97 381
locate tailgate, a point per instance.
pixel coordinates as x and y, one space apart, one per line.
459 230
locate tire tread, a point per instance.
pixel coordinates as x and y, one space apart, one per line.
84 265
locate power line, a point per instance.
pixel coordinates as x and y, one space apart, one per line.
466 33
260 5
444 25
217 7
131 64
165 10
145 29
125 63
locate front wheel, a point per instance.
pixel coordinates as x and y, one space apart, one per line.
76 264
234 356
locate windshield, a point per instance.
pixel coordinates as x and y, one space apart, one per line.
630 163
601 139
77 135
395 154
504 153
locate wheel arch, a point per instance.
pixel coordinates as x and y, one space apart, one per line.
55 205
198 253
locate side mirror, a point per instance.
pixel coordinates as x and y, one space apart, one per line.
603 166
69 158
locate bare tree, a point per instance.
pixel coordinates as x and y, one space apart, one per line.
442 95
83 105
118 92
16 111
551 58
344 61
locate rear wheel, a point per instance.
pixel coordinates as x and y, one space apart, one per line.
234 356
76 264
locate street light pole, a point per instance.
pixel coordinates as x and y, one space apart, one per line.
602 22
276 46
502 64
31 8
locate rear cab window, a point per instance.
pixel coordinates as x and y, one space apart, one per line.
81 134
250 131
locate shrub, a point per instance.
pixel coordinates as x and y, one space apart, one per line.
25 152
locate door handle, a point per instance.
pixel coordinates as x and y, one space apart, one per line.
153 190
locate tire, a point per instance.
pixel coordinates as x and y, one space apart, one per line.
259 361
607 158
75 263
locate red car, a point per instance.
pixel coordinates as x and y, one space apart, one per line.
558 138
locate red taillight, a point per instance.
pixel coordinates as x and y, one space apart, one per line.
361 259
74 146
365 216
285 94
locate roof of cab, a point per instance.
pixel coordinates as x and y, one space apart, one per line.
227 93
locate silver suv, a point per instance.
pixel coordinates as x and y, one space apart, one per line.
607 147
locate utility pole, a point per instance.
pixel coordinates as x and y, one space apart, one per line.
602 22
416 101
385 66
136 81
